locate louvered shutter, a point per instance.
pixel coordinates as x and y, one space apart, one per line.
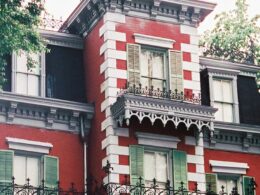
51 171
247 189
176 71
6 167
133 64
136 163
211 179
179 169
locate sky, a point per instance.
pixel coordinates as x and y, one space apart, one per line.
63 8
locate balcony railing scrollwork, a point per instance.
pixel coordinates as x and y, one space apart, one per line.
160 93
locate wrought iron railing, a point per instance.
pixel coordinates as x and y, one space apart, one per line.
49 22
160 93
125 188
12 188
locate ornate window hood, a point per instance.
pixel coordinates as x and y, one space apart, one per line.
45 112
165 110
88 13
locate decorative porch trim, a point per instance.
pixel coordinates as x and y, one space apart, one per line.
151 139
153 41
28 145
228 167
177 112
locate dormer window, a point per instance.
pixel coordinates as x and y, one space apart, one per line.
223 100
27 81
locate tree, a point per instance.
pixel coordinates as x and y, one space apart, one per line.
19 22
235 37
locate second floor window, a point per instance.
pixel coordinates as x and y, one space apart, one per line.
223 99
154 67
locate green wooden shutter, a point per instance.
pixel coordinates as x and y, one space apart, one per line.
51 171
6 170
212 180
136 163
179 169
176 72
246 186
6 166
133 64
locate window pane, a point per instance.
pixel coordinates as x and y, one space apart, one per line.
33 170
228 112
161 167
21 62
227 91
37 60
157 84
157 60
144 62
228 184
21 83
217 90
145 82
149 166
219 113
20 169
33 85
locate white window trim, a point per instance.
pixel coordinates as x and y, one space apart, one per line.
154 41
150 139
28 145
228 167
228 76
42 73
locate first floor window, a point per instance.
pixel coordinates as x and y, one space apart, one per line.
26 167
228 182
160 164
156 166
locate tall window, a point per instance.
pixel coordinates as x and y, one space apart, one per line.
156 165
153 68
229 182
23 166
223 99
27 80
26 167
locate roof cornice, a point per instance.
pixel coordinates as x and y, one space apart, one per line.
89 12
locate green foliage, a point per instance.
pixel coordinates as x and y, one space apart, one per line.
19 22
235 37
